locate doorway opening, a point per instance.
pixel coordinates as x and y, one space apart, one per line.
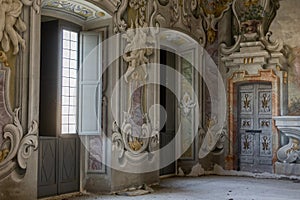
168 101
59 143
71 99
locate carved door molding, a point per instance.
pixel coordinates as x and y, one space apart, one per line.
238 78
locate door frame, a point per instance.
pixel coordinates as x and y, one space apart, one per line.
242 77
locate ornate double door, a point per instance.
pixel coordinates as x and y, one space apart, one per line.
255 127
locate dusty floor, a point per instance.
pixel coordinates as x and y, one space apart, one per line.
216 187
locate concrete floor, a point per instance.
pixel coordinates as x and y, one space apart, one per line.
215 187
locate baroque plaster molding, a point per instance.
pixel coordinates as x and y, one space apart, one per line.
213 140
212 12
12 25
258 27
16 148
123 140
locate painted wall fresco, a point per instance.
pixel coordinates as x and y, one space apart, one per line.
96 154
286 26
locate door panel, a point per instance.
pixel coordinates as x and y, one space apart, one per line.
68 165
58 165
47 179
255 127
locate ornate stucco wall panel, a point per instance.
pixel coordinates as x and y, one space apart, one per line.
19 129
15 145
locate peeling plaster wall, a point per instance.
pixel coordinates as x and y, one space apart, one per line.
286 27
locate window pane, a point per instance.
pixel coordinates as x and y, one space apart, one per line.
73 73
65 100
74 36
74 55
69 82
66 63
72 110
72 119
66 91
66 53
73 92
74 46
73 101
66 44
65 119
65 110
72 128
66 34
64 129
73 64
65 83
73 82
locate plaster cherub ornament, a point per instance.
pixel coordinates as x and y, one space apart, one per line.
10 24
137 50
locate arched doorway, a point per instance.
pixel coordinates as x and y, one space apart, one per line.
69 31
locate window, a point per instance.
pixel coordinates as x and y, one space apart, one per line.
69 82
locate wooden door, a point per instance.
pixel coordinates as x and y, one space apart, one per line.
255 127
58 165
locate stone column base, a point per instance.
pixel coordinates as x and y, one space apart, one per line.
287 168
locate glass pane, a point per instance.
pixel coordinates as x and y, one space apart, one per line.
74 36
66 53
65 110
73 73
74 46
66 91
72 129
74 55
72 119
73 82
66 72
65 100
66 63
73 101
66 44
64 129
73 64
65 82
72 110
73 92
65 119
66 34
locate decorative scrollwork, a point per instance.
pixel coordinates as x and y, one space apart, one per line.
120 24
125 141
214 139
17 147
186 104
259 28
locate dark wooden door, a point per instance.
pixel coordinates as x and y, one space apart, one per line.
255 127
58 165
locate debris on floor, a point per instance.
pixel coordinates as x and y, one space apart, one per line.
142 190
